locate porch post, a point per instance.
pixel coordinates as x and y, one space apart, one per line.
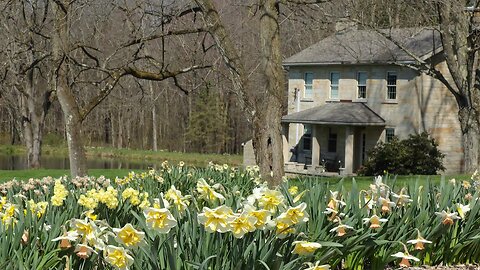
349 139
286 147
315 145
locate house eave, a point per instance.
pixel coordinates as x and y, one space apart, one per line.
333 123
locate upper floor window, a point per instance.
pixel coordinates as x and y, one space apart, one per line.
362 85
308 78
334 80
391 85
389 134
307 137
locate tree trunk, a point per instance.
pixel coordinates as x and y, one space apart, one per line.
154 120
71 111
267 119
470 138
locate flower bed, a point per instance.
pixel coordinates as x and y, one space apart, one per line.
223 218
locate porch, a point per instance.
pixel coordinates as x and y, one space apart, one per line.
330 139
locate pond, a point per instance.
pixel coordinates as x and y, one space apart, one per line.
17 162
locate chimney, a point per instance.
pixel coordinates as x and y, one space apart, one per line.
343 25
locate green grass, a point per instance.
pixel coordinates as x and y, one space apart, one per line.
400 181
132 154
6 175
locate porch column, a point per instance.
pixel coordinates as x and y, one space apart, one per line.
315 145
286 147
349 139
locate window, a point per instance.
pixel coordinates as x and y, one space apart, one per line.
334 80
307 137
391 85
362 84
389 134
332 142
308 78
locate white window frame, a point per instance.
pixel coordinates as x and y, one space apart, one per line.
337 85
387 93
305 85
361 85
387 137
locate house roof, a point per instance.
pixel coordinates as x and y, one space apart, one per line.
368 47
337 113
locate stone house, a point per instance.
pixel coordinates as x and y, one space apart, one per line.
354 89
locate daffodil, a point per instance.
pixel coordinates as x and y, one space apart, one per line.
406 257
447 217
242 224
160 220
283 228
118 257
207 193
293 190
295 214
317 266
341 229
129 236
304 248
332 213
374 221
217 219
335 203
419 241
401 199
386 205
263 216
175 196
271 200
60 193
462 209
84 251
466 184
66 239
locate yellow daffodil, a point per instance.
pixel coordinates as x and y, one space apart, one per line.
90 215
60 193
128 236
304 248
462 209
295 214
447 217
293 190
283 229
263 216
160 220
242 224
207 192
317 266
374 221
271 200
175 196
217 219
118 257
466 184
419 241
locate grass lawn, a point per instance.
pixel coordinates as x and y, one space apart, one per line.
6 175
132 155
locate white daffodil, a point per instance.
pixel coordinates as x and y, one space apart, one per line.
447 217
419 242
374 221
405 256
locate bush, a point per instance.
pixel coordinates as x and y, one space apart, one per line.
416 155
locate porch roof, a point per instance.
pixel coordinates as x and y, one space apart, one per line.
337 113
